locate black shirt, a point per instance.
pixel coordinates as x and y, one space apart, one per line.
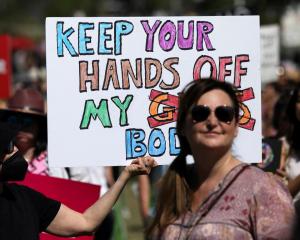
24 212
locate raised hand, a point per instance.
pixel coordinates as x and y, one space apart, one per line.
139 166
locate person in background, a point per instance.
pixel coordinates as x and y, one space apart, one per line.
280 119
26 108
102 176
217 197
24 213
291 143
147 191
270 95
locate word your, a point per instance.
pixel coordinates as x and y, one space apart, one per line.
137 145
169 34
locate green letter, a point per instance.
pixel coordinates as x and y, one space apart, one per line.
123 106
90 110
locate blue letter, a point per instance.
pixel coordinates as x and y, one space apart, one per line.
134 143
102 49
174 151
62 38
83 39
156 134
121 28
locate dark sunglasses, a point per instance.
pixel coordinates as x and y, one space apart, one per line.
223 113
20 120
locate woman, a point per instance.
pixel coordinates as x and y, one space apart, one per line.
24 213
291 150
218 197
26 108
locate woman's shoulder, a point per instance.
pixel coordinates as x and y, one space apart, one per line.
264 181
249 172
255 173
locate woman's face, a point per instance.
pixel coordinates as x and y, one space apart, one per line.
26 138
211 133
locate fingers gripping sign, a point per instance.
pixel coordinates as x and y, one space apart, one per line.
141 165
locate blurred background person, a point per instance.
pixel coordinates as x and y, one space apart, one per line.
25 212
102 176
291 152
148 187
26 108
270 95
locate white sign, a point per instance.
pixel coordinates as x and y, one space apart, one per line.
269 46
113 83
290 32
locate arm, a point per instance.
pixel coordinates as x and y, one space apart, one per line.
71 223
294 186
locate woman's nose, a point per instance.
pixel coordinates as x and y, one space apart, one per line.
211 121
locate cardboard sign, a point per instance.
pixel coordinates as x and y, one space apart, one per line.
269 46
113 83
76 195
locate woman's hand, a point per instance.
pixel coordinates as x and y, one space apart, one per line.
139 166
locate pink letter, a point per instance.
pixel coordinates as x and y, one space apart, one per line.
199 64
239 70
150 33
223 72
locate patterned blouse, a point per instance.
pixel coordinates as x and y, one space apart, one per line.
39 165
247 204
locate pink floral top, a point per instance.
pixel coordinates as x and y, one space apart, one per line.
39 165
247 204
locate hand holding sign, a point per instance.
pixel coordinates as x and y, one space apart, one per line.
140 166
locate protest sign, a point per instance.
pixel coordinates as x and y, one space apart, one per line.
113 83
271 154
269 46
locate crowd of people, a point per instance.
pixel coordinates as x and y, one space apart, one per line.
216 197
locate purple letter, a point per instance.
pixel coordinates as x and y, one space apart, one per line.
167 36
150 34
203 29
185 43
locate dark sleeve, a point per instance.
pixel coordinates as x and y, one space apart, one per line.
46 208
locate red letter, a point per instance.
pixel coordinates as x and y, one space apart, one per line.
223 72
239 70
199 64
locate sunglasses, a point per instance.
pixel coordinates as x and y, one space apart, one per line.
223 113
19 120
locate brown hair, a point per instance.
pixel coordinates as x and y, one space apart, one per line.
174 198
294 123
